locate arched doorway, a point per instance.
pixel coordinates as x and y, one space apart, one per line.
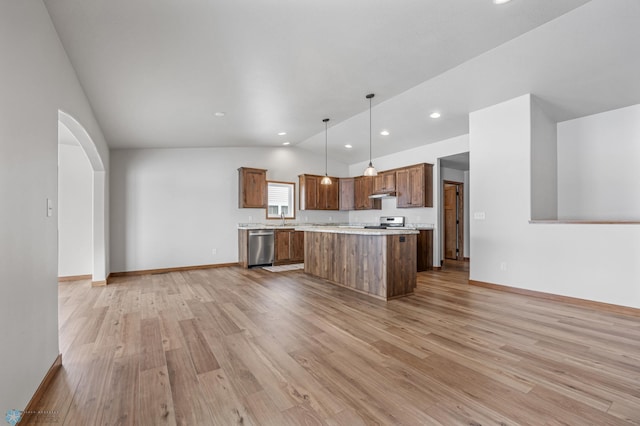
98 226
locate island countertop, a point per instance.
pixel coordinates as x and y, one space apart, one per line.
353 230
326 226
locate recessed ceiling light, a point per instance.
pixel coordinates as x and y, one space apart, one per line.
219 114
282 133
501 1
435 115
348 146
384 133
286 143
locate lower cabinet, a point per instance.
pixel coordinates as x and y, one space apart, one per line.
425 250
289 246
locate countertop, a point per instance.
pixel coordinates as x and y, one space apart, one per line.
358 230
351 227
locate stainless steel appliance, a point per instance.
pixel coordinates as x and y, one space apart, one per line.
388 222
260 247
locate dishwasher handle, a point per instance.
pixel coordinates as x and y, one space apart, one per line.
259 233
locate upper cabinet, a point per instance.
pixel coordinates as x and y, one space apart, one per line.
252 188
328 195
347 194
414 186
384 182
308 192
315 196
363 187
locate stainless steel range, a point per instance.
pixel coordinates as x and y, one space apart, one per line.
388 222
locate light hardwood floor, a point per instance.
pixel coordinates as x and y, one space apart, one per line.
233 346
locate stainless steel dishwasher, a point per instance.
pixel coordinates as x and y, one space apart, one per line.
261 247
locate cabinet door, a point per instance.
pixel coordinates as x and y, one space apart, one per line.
359 189
347 195
296 239
328 195
403 192
252 188
332 195
378 183
363 187
389 181
427 181
282 245
308 192
384 182
425 250
416 186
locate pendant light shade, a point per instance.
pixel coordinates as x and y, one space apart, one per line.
326 180
370 171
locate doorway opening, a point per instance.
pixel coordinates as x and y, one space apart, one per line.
74 133
453 220
453 215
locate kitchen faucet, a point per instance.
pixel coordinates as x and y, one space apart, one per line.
282 217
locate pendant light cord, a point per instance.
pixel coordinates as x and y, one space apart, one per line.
370 159
326 180
325 146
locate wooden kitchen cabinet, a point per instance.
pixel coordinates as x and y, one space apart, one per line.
414 186
384 182
252 187
308 192
328 195
243 248
296 243
425 250
289 246
363 187
315 196
347 194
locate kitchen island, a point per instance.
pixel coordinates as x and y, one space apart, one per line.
377 262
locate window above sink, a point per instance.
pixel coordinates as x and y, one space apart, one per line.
281 200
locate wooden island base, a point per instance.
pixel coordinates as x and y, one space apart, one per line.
382 265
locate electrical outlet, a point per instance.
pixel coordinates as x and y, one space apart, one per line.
214 251
503 266
330 218
250 218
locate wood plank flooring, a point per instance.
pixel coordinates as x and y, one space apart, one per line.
234 346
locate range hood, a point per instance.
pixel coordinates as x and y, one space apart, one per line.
383 195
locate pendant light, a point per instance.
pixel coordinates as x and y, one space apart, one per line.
370 171
326 180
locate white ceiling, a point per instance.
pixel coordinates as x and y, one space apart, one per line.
156 71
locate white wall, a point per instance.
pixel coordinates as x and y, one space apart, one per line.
544 164
593 262
36 80
425 154
467 215
75 226
599 166
172 207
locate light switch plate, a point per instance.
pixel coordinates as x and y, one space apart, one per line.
479 215
49 207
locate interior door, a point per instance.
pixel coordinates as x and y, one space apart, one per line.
451 221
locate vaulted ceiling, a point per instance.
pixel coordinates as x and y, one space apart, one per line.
157 71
